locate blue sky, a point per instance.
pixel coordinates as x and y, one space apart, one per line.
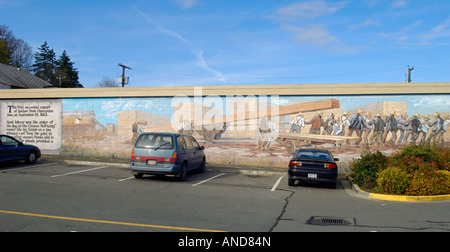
238 42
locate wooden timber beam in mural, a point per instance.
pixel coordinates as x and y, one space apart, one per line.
210 135
293 140
285 110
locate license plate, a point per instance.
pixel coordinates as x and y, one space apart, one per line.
151 162
312 176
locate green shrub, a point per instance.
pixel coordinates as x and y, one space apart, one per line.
412 164
365 170
440 156
393 181
429 183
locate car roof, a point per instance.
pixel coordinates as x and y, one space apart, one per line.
163 133
314 149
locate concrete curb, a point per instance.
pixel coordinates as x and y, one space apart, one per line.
400 198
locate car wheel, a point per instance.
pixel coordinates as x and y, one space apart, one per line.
291 182
202 166
138 176
31 158
183 173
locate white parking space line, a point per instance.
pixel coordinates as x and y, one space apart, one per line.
276 184
204 181
30 166
71 173
121 180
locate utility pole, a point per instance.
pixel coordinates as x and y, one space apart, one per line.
60 78
410 69
124 81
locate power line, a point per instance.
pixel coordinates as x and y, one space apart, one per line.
276 77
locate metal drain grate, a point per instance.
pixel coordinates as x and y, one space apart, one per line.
331 221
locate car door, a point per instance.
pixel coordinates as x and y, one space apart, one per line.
182 152
11 149
192 163
198 152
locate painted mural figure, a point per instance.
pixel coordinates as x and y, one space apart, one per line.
328 125
186 128
392 127
297 124
137 129
413 128
369 126
425 128
357 124
436 127
345 122
401 125
338 128
316 123
264 130
378 129
444 129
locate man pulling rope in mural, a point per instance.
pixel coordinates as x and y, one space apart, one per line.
357 124
297 124
316 122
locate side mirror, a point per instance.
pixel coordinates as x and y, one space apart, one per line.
336 159
202 147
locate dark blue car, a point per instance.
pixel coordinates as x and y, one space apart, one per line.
13 150
314 165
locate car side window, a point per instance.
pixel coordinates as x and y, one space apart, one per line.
189 144
8 141
181 143
195 143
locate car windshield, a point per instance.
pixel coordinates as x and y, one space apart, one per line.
313 154
155 141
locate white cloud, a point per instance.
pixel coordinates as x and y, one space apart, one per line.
303 20
186 4
315 35
440 31
435 102
200 60
399 4
309 9
367 23
202 63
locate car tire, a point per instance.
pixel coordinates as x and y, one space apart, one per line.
183 173
202 167
138 176
31 158
291 182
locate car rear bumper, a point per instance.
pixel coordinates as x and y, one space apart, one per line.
314 175
159 169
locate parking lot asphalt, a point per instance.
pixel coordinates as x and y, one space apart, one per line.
77 195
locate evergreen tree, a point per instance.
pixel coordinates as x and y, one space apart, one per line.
5 48
5 53
66 73
44 66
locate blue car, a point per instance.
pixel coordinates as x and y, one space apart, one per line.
166 154
13 150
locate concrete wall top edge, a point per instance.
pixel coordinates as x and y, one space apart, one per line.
284 89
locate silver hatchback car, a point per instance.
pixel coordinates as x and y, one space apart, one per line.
166 154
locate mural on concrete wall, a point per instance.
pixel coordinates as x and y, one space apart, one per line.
257 130
237 130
